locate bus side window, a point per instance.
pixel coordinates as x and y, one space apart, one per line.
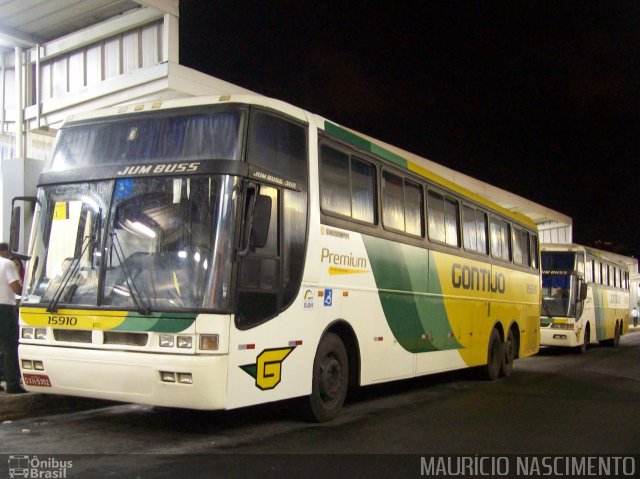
534 251
443 219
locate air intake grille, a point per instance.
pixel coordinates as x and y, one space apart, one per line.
72 335
127 339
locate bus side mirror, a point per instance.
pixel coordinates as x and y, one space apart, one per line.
14 229
582 291
261 221
20 221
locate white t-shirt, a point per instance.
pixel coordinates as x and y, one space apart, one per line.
8 274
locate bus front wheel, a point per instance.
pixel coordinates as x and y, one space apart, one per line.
330 379
585 341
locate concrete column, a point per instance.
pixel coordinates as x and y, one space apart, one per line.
20 153
170 39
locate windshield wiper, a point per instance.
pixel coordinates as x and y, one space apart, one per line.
546 308
72 271
133 289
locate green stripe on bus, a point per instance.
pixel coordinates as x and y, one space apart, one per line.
157 322
363 144
413 308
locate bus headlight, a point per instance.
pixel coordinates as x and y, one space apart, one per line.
27 333
185 342
41 333
209 342
166 340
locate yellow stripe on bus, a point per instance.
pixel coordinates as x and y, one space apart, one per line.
73 318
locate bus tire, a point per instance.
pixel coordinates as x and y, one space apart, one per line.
612 342
616 336
330 379
509 355
585 341
494 356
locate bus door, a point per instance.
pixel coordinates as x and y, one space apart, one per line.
259 257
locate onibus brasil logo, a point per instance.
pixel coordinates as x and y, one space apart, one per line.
34 467
267 371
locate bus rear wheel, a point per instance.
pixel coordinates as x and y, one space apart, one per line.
494 357
330 379
613 342
509 355
616 337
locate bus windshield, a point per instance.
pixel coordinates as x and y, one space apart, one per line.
146 138
558 283
145 244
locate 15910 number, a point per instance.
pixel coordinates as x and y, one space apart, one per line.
63 320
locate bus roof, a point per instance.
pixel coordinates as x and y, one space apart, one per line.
598 253
509 204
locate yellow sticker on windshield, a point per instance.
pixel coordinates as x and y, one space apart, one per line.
60 211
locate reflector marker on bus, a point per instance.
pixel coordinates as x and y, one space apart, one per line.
246 346
320 293
345 293
425 337
297 342
378 338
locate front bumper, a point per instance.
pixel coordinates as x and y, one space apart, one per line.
127 376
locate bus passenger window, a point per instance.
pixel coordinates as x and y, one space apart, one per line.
347 185
362 188
442 213
336 197
392 202
500 239
475 230
435 215
414 207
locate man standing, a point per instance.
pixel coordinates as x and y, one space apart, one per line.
634 316
9 286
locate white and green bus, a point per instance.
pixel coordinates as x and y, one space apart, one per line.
216 253
585 296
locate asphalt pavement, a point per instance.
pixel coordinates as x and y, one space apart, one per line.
19 406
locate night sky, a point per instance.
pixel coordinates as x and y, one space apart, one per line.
539 98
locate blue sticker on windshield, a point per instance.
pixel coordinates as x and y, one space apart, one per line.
123 188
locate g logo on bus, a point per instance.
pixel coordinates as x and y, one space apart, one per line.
268 368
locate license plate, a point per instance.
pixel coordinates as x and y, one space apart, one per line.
36 380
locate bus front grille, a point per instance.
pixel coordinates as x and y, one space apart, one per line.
127 339
110 337
72 335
